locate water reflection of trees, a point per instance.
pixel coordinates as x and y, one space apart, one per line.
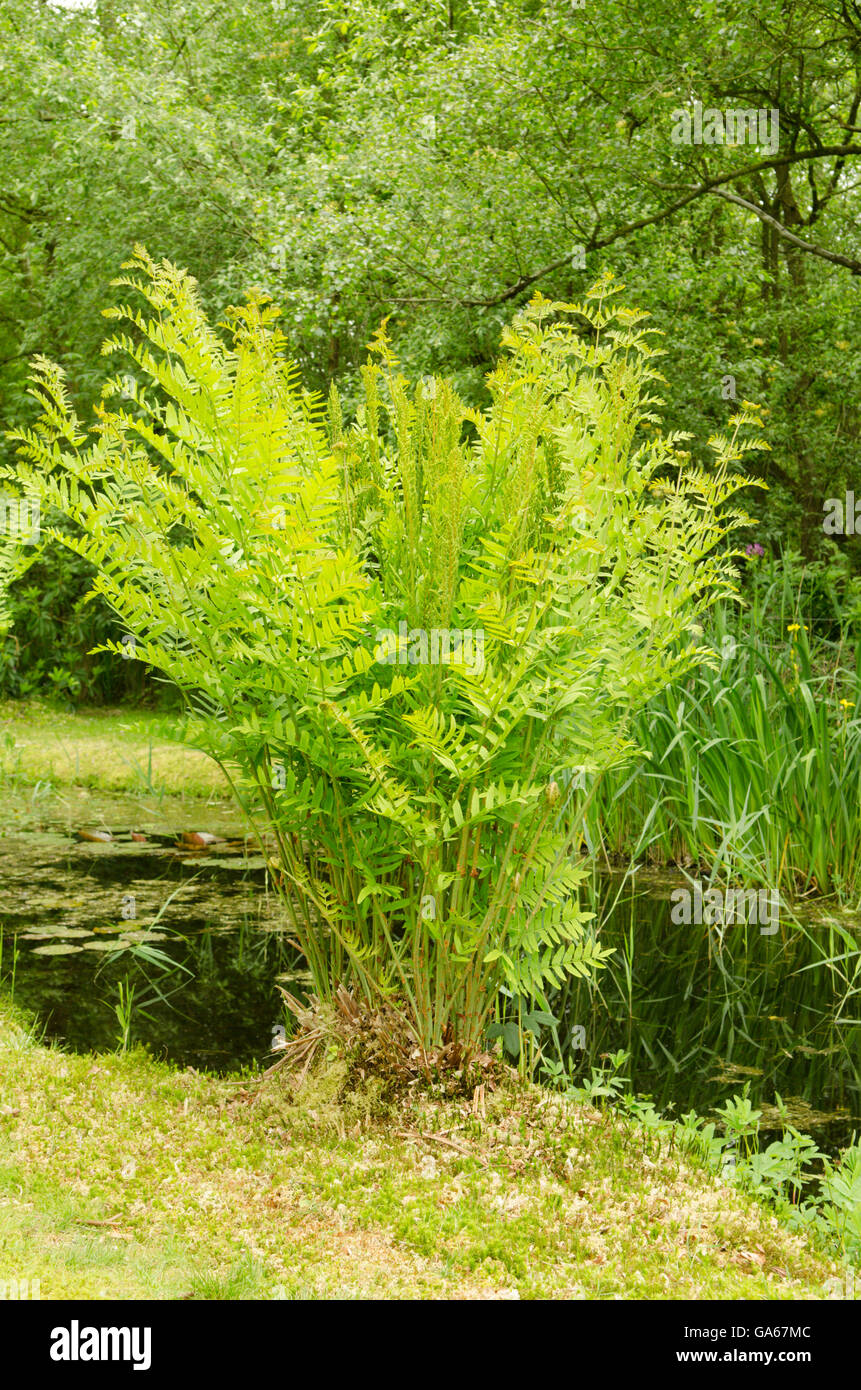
701 1011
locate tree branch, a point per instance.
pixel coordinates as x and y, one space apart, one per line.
708 186
808 246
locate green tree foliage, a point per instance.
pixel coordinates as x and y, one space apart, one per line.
260 549
436 163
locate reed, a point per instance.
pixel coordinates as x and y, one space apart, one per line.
750 767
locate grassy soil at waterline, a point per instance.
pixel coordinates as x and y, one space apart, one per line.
123 1178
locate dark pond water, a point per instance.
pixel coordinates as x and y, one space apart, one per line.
198 934
704 1011
701 1013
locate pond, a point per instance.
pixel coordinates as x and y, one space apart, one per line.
184 945
704 1011
195 931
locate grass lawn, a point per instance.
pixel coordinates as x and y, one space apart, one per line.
112 750
123 1178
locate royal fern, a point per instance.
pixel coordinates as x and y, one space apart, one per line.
256 543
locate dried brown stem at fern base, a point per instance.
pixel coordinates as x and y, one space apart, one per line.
380 1042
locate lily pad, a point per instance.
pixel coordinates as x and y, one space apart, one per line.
238 863
198 839
53 933
58 948
117 943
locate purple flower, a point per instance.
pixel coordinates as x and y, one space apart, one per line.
755 549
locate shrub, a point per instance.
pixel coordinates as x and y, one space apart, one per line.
266 556
53 626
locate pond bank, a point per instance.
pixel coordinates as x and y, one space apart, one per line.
123 1178
191 943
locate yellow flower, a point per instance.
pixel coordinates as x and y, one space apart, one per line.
793 627
848 704
758 342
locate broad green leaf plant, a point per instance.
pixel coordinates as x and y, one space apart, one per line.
399 634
